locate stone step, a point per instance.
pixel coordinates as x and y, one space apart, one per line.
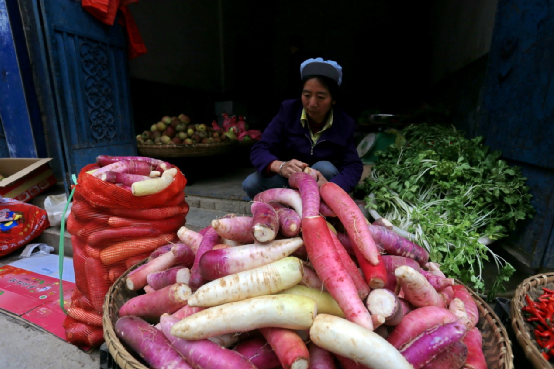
239 207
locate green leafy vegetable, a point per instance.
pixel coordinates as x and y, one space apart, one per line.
453 195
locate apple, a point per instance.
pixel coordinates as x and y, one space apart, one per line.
166 119
210 140
182 135
190 132
223 138
154 127
188 141
148 142
196 138
192 126
183 118
155 134
215 134
170 131
205 140
196 126
176 140
201 127
139 137
181 127
165 139
158 141
202 134
161 126
175 122
140 140
146 135
217 140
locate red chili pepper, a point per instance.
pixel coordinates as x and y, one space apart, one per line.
548 291
546 355
543 334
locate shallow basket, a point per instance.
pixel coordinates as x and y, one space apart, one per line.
186 151
496 344
523 331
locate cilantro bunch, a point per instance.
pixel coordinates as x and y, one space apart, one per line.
453 196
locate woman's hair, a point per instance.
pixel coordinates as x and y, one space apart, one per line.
327 82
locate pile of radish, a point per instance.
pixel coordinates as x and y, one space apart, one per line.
283 288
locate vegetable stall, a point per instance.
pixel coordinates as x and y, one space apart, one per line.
301 282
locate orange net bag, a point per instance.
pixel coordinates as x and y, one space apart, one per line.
112 230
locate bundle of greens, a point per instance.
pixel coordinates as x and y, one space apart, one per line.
452 196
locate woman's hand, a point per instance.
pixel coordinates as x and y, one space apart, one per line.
287 168
320 178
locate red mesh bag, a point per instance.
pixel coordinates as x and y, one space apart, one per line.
112 230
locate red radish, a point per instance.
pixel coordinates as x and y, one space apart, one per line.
374 275
311 279
161 279
119 251
325 302
265 222
135 259
289 220
345 241
210 239
150 343
393 244
186 310
121 234
125 166
432 342
285 196
259 353
351 268
386 303
446 293
327 263
148 289
457 308
453 357
85 316
180 254
123 178
416 322
352 218
353 341
438 283
320 358
219 263
103 160
474 342
148 214
98 282
417 290
167 300
265 280
463 294
203 354
160 251
288 346
190 238
284 311
309 193
391 263
325 210
236 228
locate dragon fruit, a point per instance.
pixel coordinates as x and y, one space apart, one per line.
254 134
216 126
241 123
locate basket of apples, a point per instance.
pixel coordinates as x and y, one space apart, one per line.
174 137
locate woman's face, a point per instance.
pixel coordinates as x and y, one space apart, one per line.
316 100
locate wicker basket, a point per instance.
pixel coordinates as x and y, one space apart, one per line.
186 151
496 345
531 286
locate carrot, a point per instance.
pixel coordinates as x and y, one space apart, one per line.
91 227
416 322
288 346
432 342
284 311
352 219
77 333
320 358
210 239
463 294
82 315
98 282
116 272
393 244
417 290
355 342
475 357
167 300
147 214
79 259
95 338
122 250
264 280
385 303
80 300
84 212
236 228
285 196
163 225
219 263
326 304
327 263
149 343
177 274
135 259
259 353
265 222
454 356
101 238
289 220
309 193
125 166
203 354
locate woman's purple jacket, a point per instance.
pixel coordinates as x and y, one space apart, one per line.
286 139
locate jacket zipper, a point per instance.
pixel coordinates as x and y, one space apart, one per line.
312 144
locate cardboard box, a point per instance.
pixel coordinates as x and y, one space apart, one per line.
25 178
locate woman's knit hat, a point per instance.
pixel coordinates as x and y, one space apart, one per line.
320 67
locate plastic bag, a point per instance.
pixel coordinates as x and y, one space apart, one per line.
55 206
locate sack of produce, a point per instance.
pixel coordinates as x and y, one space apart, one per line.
123 209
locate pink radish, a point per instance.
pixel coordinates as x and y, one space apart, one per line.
457 308
453 357
387 304
150 343
180 254
439 283
125 166
475 357
320 358
161 279
236 228
210 239
345 241
160 251
325 210
432 342
446 293
311 279
285 196
167 300
463 294
148 289
309 193
417 290
288 346
203 354
219 263
190 238
265 222
416 322
393 244
352 219
391 263
289 220
327 263
406 306
185 311
259 353
103 160
122 178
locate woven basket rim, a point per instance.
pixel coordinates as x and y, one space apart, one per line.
521 329
187 150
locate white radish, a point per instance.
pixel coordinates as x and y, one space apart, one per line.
326 304
154 185
190 238
386 303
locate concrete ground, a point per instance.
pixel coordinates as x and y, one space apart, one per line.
26 346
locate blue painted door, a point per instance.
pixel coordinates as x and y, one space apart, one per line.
81 74
517 115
